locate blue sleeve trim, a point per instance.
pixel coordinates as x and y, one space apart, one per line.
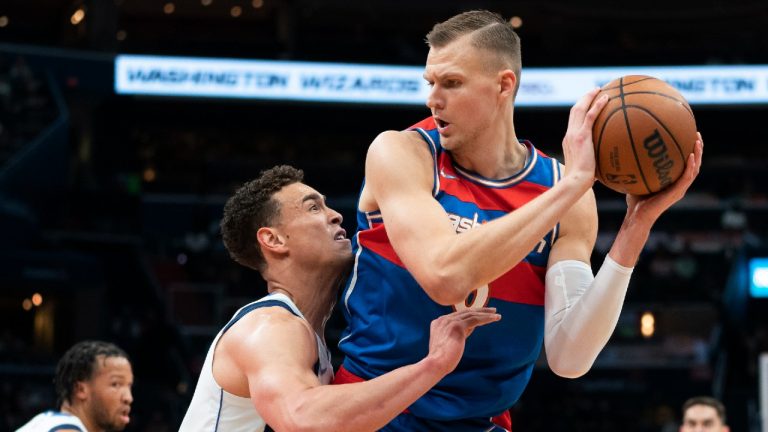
247 309
432 145
66 427
218 414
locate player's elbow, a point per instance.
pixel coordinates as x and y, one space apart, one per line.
445 299
563 366
444 288
568 371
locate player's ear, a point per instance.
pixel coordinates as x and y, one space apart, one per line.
507 82
80 391
270 239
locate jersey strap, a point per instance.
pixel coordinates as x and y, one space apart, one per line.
65 427
253 306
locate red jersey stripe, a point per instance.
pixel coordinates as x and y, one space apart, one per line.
523 284
376 240
527 279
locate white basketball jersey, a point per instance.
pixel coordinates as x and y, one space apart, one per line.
52 421
213 409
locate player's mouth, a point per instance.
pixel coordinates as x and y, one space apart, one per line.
442 125
341 235
124 416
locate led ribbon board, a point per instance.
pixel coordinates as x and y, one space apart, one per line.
404 85
277 80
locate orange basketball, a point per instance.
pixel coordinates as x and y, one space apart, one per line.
643 135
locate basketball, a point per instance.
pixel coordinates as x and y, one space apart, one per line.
643 135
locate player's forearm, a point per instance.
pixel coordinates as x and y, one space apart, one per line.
581 313
365 406
479 256
631 238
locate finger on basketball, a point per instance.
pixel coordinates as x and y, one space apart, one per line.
578 110
693 165
698 151
589 120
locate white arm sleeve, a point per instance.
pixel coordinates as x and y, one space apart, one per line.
580 312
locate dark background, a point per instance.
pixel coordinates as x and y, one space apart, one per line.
109 204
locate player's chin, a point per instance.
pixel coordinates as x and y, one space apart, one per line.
343 244
448 142
120 422
118 426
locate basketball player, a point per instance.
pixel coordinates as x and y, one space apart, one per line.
526 226
268 364
93 385
703 414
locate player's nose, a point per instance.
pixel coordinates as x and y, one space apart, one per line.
335 217
434 100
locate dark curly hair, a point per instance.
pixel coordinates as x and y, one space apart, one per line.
252 207
78 364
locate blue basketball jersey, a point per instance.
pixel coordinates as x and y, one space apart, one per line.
389 314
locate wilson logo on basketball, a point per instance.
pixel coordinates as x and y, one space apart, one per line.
657 150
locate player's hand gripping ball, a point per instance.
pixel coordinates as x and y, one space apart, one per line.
643 135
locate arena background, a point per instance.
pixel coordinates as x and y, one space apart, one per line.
109 204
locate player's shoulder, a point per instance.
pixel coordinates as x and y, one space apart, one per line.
261 334
398 153
405 137
266 325
398 144
391 138
273 315
53 420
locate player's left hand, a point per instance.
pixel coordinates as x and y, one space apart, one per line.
650 207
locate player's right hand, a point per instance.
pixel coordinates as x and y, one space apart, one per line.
578 148
651 206
448 334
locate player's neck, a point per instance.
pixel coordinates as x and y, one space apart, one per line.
79 412
314 294
495 154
